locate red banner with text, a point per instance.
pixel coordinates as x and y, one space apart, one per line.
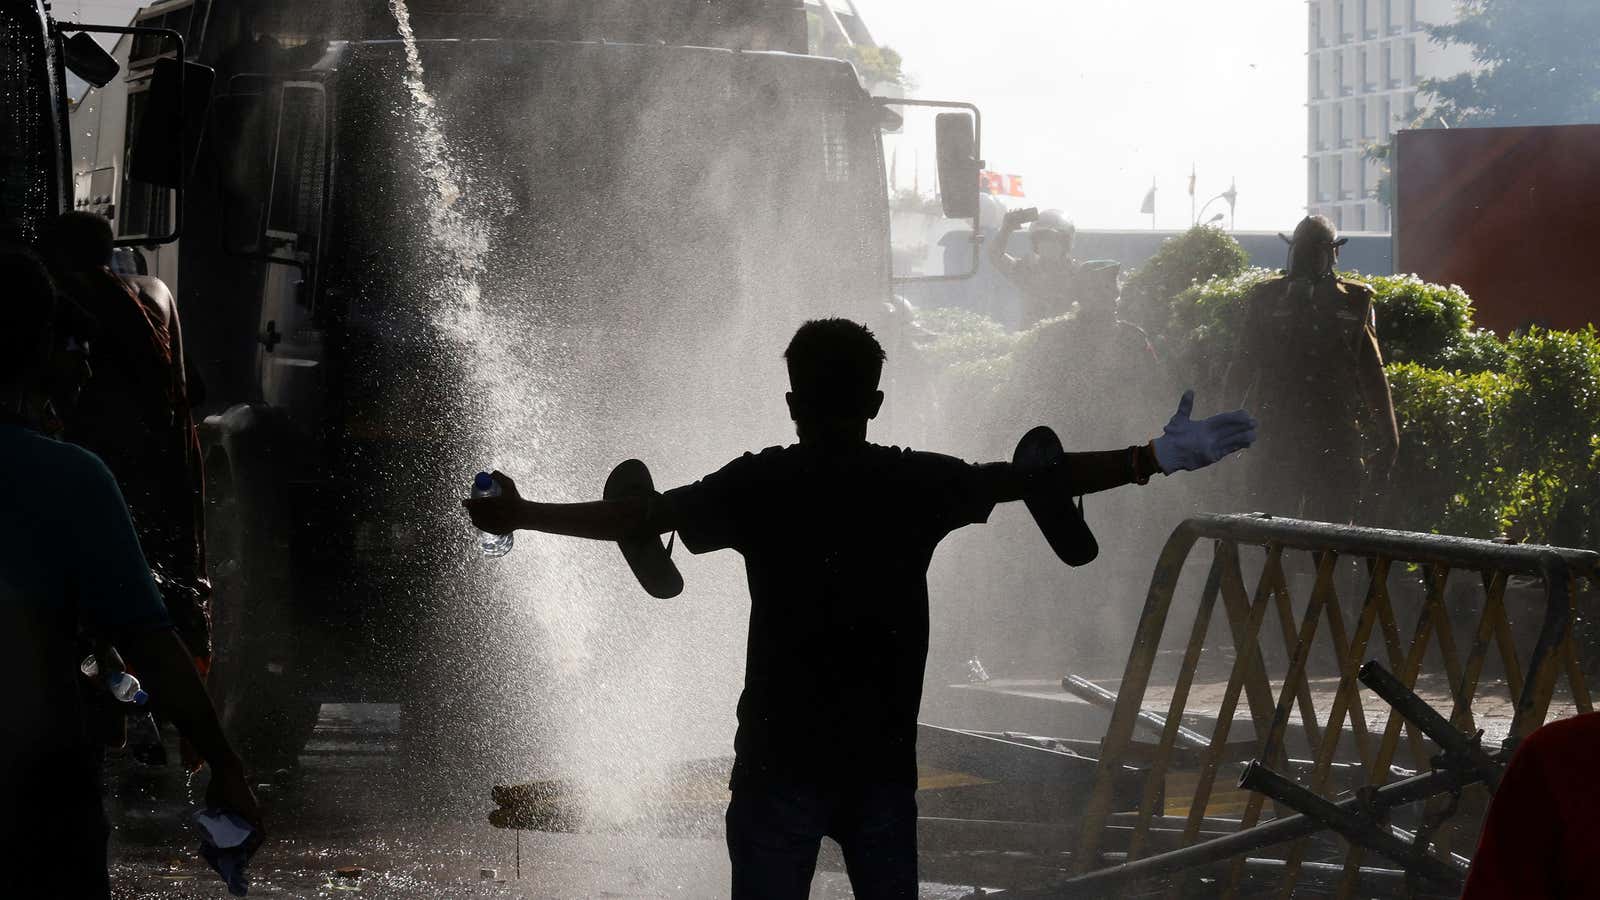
1001 184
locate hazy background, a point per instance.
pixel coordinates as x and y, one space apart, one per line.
1092 100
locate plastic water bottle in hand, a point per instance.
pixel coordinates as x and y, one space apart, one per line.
492 545
122 686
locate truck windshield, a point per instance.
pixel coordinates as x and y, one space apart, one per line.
605 179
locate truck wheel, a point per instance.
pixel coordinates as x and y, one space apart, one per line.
255 681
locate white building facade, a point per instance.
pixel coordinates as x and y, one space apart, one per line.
1365 60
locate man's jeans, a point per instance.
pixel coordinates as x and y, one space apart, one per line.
775 830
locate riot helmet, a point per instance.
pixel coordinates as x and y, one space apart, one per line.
1314 249
1052 230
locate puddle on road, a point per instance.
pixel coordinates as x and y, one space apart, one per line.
343 813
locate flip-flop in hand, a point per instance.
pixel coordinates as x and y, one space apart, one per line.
1186 444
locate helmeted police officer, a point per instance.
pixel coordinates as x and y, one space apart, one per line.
1309 364
1047 276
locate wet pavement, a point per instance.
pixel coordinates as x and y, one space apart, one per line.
353 807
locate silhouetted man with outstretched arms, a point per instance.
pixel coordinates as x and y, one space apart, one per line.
837 534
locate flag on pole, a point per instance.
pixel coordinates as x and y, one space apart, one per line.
1148 208
991 182
1191 179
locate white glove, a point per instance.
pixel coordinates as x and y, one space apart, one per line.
1185 445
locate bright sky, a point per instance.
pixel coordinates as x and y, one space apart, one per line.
97 12
1089 100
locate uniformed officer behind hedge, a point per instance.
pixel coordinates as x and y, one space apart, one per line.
1048 277
837 534
1310 368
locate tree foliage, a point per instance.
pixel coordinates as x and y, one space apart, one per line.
1189 259
878 65
1537 64
874 65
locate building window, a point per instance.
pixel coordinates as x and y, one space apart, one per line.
1311 128
1338 22
1411 62
1361 120
1386 65
1411 14
1338 72
1361 70
1360 223
1389 25
1314 179
1383 118
1316 77
1361 17
1316 25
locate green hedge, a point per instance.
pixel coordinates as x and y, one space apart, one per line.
969 355
1418 322
1448 467
1511 452
1431 325
1182 262
1498 437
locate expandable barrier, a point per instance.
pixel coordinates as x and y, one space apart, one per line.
1383 581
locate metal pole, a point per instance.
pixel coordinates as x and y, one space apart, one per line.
1355 827
1094 694
1277 831
1417 711
861 22
832 17
1208 206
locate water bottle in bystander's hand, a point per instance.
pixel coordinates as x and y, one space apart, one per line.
143 736
122 686
492 545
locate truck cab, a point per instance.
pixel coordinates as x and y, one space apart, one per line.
408 253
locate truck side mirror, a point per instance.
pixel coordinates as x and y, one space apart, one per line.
172 124
85 58
932 236
958 164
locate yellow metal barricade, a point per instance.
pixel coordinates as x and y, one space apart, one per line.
1362 594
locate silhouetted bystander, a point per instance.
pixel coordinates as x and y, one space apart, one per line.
837 534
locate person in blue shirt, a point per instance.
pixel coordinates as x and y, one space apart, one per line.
837 534
70 564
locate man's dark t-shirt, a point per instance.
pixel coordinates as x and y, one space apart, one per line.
836 548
